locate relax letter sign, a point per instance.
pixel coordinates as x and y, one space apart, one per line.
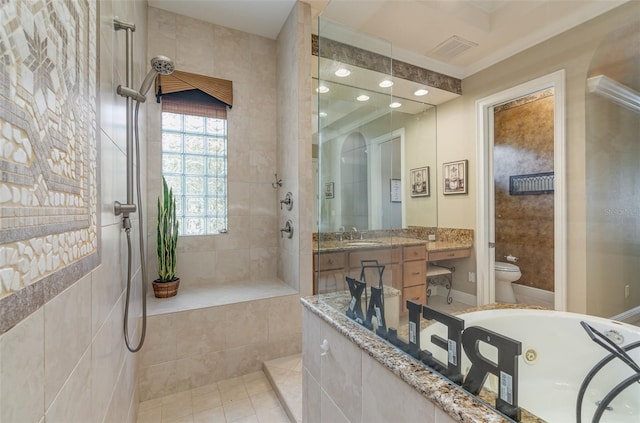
458 340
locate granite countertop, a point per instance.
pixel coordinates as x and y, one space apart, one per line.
387 242
456 402
433 246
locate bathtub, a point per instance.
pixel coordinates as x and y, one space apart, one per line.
557 354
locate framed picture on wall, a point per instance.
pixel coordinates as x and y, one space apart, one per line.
454 175
328 190
396 192
419 180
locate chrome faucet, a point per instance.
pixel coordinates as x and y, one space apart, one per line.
354 232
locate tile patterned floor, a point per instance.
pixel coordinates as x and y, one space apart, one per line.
286 377
245 399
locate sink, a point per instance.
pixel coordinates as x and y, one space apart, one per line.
362 243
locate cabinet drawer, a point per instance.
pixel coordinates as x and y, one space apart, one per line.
450 254
414 273
415 252
329 261
417 294
383 255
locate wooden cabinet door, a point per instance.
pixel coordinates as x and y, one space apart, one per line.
415 273
416 293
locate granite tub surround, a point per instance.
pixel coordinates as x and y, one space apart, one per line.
439 399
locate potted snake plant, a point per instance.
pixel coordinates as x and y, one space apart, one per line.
167 241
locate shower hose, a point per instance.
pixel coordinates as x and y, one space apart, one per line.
143 267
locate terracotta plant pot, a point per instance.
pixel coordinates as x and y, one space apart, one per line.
166 289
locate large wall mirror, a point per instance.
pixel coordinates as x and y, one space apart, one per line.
370 152
377 151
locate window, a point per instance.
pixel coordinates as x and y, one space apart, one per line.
194 163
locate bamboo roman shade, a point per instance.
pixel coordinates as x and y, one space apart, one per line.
179 81
194 103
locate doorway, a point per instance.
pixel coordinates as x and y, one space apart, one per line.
386 161
486 213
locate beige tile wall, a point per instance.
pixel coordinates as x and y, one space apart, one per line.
194 348
249 250
294 146
67 361
198 347
268 132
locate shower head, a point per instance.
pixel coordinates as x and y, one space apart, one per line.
161 65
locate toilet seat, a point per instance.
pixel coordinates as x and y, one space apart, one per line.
506 267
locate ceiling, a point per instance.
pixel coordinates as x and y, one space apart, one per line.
418 30
415 31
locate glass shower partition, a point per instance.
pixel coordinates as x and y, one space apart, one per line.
360 183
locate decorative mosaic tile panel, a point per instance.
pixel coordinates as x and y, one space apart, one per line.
48 143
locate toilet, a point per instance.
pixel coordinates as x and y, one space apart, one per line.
505 274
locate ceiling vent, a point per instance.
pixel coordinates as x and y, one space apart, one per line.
452 47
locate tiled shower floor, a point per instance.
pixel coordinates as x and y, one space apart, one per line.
245 399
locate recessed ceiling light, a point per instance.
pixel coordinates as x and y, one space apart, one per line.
362 97
386 83
395 105
421 92
322 89
342 72
322 114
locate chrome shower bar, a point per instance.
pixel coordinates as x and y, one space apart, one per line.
118 24
129 28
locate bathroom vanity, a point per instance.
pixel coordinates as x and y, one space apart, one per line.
406 260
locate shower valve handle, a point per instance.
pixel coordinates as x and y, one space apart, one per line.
288 201
288 229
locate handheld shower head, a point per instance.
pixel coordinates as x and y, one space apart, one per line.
162 64
159 65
